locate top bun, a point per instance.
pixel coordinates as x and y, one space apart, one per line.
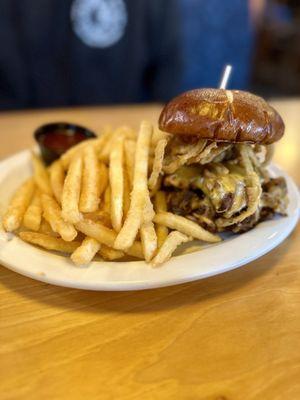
222 115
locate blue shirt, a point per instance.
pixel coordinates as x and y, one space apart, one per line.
215 33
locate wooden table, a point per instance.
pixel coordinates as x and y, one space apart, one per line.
231 337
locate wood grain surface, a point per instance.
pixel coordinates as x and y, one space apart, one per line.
235 336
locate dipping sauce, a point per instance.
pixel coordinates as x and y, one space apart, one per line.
56 138
60 141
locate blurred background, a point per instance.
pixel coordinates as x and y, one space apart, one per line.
57 53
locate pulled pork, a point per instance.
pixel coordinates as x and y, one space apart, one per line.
221 186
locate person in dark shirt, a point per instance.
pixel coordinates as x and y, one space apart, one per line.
82 52
73 52
216 33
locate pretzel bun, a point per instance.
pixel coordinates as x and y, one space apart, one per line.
222 115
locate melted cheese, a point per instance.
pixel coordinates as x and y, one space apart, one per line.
216 183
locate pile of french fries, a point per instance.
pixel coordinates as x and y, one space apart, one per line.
103 198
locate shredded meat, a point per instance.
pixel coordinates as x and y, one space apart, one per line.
186 202
205 222
226 202
234 194
194 206
274 195
247 224
226 190
273 201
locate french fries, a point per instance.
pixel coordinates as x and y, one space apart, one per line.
160 205
85 252
75 151
46 229
40 175
110 254
126 195
105 151
107 200
33 215
157 163
129 133
157 136
57 178
49 242
135 250
147 231
129 150
90 186
97 231
116 179
52 214
106 236
157 187
122 131
173 240
103 178
13 217
133 220
71 192
185 226
149 240
99 216
97 200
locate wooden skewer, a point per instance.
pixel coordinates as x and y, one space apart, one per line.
225 77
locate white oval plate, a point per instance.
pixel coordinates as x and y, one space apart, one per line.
234 252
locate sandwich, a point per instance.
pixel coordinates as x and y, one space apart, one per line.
220 143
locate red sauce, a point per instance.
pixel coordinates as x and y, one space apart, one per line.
60 141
